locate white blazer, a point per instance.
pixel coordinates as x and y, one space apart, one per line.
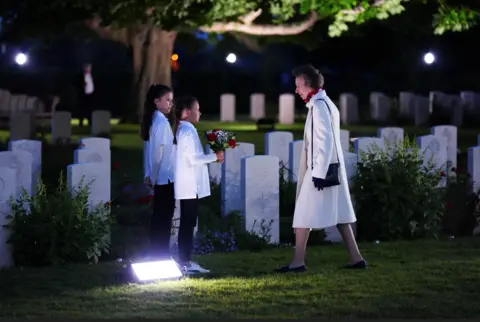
191 171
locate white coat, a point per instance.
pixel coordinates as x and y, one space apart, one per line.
316 209
191 171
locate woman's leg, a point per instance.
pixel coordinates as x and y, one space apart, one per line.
301 240
161 222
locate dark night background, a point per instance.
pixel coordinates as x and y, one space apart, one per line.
378 56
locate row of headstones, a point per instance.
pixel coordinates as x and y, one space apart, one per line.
282 145
22 126
20 169
11 103
237 181
411 105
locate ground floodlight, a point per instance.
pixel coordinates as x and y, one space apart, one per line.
166 269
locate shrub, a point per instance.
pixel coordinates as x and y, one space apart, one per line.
396 196
57 227
461 204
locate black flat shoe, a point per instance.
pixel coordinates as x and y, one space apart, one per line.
360 265
288 269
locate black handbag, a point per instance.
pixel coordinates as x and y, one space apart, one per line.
332 177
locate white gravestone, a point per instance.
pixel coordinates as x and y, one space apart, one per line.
379 106
95 143
94 156
257 106
93 176
61 126
286 109
7 190
391 136
433 148
295 154
421 112
21 125
351 160
21 162
474 166
35 148
277 144
368 145
471 101
101 122
231 177
227 108
260 195
348 108
345 140
450 133
214 168
97 150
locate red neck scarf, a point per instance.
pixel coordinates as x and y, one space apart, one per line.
312 94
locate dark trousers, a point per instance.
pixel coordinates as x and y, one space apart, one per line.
188 221
161 222
87 106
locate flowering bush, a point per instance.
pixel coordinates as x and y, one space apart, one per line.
396 196
58 227
220 140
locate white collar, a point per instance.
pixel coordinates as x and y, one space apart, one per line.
159 114
319 95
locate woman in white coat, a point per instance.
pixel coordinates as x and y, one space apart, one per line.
192 181
319 205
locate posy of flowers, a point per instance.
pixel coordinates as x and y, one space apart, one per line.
220 140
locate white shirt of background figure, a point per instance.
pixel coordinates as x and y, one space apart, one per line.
88 79
159 159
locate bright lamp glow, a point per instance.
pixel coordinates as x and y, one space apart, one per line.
21 59
231 58
158 270
429 58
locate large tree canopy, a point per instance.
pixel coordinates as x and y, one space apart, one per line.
149 27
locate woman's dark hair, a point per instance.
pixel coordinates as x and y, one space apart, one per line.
155 91
181 104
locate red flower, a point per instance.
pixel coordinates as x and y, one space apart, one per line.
107 204
232 143
211 137
116 165
449 205
442 174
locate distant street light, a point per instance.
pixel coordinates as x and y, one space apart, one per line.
429 58
231 58
21 59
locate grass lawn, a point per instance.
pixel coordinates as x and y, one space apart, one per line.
423 279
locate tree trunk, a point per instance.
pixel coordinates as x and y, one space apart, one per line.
151 64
